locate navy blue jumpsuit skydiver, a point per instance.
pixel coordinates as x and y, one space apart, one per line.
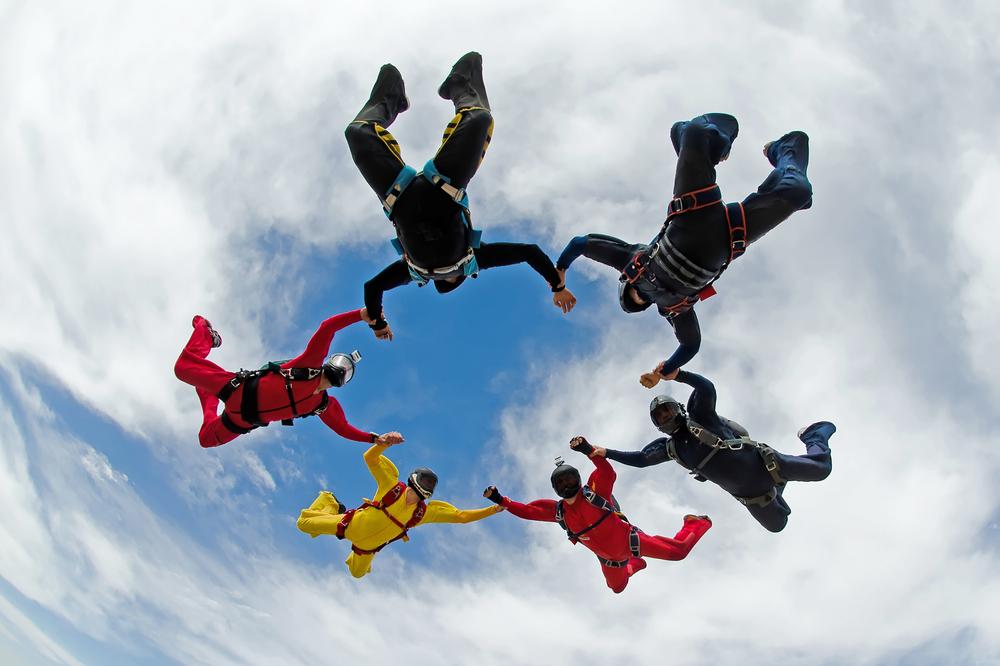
742 472
695 245
433 229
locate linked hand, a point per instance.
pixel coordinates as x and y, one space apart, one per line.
650 379
365 318
383 333
564 300
492 494
389 438
580 443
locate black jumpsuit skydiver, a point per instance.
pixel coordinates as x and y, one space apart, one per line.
429 224
742 472
697 243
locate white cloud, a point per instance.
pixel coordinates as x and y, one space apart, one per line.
146 152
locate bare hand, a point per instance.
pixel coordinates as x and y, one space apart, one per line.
600 452
650 379
384 333
564 300
389 438
366 318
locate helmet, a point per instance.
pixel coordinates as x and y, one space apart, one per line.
565 480
666 413
423 481
627 302
339 368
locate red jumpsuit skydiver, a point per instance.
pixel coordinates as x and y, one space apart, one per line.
610 539
193 367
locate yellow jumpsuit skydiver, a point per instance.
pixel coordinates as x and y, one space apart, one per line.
370 527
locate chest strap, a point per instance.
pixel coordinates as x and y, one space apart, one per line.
592 498
383 503
717 444
249 406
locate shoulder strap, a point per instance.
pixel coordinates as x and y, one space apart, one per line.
736 220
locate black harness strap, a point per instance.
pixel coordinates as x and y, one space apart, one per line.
707 196
633 546
227 421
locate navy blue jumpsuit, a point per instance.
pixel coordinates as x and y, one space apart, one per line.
740 473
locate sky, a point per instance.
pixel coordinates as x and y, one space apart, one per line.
162 160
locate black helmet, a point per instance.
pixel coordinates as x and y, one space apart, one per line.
339 368
423 481
666 413
565 480
626 301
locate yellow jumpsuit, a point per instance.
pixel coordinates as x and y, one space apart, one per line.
370 527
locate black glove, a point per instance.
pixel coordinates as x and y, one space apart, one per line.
582 445
493 495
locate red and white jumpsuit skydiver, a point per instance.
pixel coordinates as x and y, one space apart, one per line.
279 397
589 516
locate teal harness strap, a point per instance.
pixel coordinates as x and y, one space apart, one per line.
403 180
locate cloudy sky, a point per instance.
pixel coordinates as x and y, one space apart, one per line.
161 160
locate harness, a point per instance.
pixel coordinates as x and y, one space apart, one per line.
672 263
609 508
717 444
249 408
390 497
467 266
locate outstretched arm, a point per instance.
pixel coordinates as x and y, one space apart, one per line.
319 344
491 255
653 453
442 512
381 468
688 334
392 276
333 416
542 510
702 401
602 479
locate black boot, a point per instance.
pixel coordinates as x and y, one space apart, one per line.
464 84
388 98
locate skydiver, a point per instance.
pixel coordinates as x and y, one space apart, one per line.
398 507
719 450
701 235
279 391
590 516
430 209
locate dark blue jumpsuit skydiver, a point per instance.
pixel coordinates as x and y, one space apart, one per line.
429 210
740 466
701 235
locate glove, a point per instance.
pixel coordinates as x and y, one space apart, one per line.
582 445
493 495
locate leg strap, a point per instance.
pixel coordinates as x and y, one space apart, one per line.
227 422
760 500
707 196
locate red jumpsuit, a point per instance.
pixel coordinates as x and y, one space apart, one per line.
193 367
609 540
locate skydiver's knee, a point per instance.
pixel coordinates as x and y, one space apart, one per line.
356 132
617 589
209 438
797 190
477 119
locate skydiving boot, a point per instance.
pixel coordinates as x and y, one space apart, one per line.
720 129
334 501
464 84
388 98
216 338
818 434
789 156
